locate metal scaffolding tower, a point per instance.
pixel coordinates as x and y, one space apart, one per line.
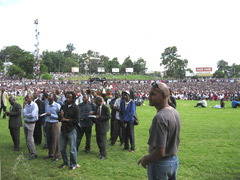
36 63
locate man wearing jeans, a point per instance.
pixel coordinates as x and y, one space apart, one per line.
70 118
162 161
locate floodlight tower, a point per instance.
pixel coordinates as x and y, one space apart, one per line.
36 62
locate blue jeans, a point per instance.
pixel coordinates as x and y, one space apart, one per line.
70 137
164 169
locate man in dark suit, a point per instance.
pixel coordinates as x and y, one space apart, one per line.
102 126
37 135
15 122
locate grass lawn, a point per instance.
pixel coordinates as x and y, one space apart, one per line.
115 77
209 149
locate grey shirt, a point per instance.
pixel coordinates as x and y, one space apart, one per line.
165 131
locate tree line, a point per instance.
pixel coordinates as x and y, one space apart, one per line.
63 61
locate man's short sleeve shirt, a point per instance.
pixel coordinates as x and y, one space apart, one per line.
165 131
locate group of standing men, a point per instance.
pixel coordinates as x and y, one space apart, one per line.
162 161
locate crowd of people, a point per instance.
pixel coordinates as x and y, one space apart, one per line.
77 105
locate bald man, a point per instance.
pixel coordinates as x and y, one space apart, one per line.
162 161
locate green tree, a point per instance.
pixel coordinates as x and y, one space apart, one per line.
235 71
15 70
112 64
174 66
218 74
55 61
126 64
70 48
43 68
1 66
139 66
18 57
223 66
88 62
70 62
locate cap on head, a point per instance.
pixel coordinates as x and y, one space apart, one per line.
127 92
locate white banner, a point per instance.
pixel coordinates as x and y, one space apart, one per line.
101 69
75 69
129 70
115 70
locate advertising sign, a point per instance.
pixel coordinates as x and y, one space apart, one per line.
101 69
115 70
75 69
129 70
204 69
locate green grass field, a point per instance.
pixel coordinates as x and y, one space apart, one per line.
209 149
115 77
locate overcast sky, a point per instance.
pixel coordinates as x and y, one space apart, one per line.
204 31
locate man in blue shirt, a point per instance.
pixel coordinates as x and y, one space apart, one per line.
52 128
128 110
30 115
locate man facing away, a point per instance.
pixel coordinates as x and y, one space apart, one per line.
162 161
30 115
15 122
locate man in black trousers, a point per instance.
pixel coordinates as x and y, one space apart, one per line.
15 122
102 126
37 135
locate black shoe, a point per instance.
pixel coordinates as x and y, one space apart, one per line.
87 151
32 157
63 166
56 159
48 157
102 157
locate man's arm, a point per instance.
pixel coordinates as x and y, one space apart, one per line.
105 115
17 112
156 155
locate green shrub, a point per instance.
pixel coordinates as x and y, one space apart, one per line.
46 76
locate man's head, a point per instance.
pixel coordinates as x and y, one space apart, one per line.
70 97
44 96
85 98
51 98
158 95
126 95
28 98
99 101
35 95
117 94
12 100
3 89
